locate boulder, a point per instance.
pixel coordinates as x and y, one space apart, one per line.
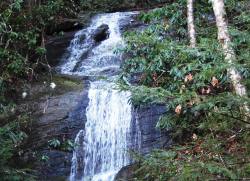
101 33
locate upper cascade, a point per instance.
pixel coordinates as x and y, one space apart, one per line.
92 55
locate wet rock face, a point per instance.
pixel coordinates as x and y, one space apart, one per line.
151 137
60 117
101 33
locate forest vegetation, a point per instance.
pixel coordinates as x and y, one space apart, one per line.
181 62
192 75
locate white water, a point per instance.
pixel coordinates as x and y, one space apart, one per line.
102 148
106 132
82 60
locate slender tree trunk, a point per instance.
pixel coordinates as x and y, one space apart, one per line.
225 41
190 21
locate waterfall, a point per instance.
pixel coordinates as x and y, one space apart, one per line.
102 147
106 133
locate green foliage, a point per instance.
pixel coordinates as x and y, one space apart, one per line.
22 50
11 138
55 143
172 18
44 158
204 158
66 145
194 85
185 168
22 33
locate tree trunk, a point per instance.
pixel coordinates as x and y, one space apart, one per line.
225 41
190 21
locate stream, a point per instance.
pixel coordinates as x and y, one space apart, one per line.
102 147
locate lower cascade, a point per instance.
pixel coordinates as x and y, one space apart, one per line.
106 136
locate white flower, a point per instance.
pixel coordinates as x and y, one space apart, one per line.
52 85
24 95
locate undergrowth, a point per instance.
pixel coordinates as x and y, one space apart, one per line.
22 56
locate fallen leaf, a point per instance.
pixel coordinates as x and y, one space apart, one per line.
188 78
214 82
178 109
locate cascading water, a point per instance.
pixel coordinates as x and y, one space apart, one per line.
86 61
102 148
106 132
